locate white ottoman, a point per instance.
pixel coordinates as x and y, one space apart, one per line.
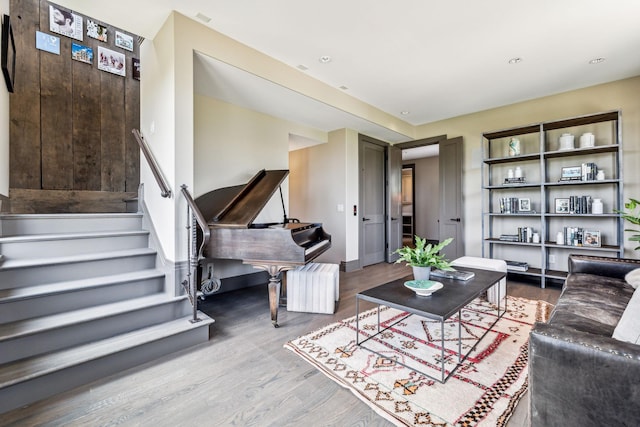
486 264
313 288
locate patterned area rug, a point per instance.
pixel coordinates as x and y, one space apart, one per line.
483 391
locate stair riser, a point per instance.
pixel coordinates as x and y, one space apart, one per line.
67 247
20 225
88 331
41 387
50 273
12 311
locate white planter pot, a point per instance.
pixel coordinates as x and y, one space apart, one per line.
421 273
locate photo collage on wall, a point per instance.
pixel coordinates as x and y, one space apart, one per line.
71 25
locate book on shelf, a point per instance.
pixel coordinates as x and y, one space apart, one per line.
517 266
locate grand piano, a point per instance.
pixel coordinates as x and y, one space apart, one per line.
274 247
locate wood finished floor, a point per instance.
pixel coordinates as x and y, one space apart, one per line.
241 377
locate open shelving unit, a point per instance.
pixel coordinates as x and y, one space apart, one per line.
542 161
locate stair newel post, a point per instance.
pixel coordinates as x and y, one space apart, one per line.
193 254
193 263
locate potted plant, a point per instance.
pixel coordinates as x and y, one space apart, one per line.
633 216
424 256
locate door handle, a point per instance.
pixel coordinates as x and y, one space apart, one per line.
394 219
366 219
454 219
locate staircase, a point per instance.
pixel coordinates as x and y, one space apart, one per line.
81 299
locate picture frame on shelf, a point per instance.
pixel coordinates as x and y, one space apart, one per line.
571 173
524 205
592 238
562 205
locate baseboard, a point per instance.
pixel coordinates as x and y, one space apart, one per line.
349 266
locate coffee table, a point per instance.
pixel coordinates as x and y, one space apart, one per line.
441 305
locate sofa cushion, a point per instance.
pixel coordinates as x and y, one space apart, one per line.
628 328
633 278
591 303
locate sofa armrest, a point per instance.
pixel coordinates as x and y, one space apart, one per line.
601 266
581 379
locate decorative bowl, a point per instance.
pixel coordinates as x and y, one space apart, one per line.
423 288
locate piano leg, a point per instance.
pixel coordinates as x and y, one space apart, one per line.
274 287
274 298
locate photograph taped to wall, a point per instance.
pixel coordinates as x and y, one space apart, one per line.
48 42
96 31
82 53
111 61
64 22
135 68
124 41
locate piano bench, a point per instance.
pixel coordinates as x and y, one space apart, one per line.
313 288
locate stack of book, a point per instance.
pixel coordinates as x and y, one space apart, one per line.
512 181
517 266
525 235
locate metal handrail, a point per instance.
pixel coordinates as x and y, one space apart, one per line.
165 191
194 254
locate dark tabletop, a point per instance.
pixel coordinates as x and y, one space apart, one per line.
443 303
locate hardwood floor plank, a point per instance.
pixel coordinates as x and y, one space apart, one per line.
242 377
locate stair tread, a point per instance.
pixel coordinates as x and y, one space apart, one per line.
71 215
35 291
71 235
25 327
30 262
15 372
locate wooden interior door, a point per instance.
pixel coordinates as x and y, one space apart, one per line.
372 203
451 218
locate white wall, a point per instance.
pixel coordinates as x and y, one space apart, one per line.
4 118
623 95
167 100
231 145
320 193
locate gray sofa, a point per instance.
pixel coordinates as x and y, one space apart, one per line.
579 375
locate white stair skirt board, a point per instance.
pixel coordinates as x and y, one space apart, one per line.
313 288
486 264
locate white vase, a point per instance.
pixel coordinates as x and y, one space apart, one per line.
421 273
597 207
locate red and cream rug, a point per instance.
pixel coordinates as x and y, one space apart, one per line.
483 391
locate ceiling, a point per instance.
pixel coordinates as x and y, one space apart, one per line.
430 60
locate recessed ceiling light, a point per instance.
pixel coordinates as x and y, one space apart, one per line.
596 61
404 113
515 60
203 18
325 59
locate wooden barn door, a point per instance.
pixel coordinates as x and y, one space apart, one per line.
70 135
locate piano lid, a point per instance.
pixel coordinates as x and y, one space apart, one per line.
238 206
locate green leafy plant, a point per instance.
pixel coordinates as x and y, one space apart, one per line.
633 216
425 255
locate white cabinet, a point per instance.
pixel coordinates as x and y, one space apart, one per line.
542 179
